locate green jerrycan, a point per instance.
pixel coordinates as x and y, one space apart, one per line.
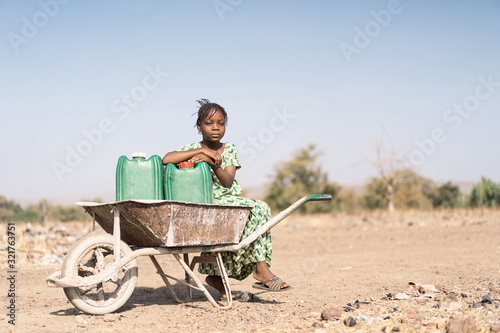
139 178
188 182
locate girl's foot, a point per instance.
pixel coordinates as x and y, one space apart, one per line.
263 274
215 282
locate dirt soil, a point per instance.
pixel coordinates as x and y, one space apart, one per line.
345 270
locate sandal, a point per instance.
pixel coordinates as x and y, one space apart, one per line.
275 286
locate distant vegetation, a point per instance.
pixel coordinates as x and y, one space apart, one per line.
485 194
10 211
303 175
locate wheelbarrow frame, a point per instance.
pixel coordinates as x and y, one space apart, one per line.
110 272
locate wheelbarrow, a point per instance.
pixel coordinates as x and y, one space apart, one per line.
97 280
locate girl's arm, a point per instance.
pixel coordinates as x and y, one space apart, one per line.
175 157
226 175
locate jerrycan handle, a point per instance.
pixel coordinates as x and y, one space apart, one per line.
138 155
187 164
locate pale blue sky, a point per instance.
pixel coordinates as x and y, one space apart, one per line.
288 73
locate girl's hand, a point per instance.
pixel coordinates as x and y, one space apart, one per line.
214 155
202 158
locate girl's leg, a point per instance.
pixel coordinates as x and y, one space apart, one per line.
215 281
263 273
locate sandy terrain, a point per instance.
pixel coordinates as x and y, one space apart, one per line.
347 267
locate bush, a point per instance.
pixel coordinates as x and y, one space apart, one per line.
446 196
375 195
11 211
298 177
69 213
412 191
485 194
349 201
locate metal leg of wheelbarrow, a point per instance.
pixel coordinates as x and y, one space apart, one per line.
220 264
201 287
197 260
190 275
165 277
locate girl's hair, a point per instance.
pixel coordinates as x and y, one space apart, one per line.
207 110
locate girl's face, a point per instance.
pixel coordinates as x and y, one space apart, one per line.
213 128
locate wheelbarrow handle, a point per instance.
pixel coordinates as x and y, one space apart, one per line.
319 197
277 219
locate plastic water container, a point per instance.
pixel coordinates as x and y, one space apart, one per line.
139 178
188 182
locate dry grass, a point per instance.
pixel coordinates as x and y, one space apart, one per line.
43 243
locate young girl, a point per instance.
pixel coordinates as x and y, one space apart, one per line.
223 159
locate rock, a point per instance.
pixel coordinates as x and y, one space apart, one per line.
451 298
442 288
422 299
465 325
410 313
350 322
317 325
453 306
79 319
400 296
314 314
109 317
487 299
495 328
331 314
360 305
484 301
431 324
440 324
495 290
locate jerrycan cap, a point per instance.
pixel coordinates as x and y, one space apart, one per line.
138 154
188 164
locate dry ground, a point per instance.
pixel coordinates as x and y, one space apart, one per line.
348 265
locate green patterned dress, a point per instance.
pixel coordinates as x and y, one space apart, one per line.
241 263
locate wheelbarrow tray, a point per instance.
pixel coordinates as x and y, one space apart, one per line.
168 223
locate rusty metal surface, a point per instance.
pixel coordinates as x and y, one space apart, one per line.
172 223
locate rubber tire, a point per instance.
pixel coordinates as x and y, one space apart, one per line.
72 258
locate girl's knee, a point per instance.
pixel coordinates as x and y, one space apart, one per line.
264 206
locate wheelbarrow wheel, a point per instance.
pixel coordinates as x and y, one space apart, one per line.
89 256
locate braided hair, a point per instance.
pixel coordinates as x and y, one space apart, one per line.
207 110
